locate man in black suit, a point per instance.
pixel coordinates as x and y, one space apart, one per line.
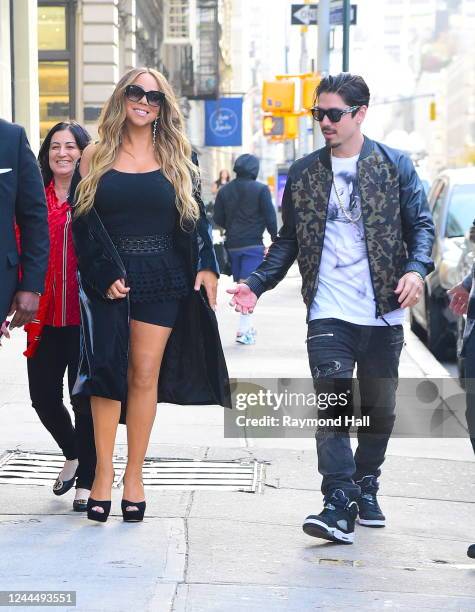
22 199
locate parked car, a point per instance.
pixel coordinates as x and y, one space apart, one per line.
452 202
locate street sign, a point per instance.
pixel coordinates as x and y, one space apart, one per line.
223 122
304 14
307 14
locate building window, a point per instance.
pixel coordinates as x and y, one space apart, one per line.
55 63
52 28
177 20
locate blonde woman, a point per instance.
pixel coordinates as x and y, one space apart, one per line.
148 280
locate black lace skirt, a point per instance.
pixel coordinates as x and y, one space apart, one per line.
155 270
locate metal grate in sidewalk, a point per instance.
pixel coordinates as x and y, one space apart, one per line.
36 468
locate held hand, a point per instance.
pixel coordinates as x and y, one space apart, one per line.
458 299
243 300
25 305
209 280
409 289
4 331
117 290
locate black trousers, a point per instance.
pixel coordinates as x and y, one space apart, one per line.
470 385
58 350
334 347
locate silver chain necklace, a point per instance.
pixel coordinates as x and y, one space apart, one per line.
340 203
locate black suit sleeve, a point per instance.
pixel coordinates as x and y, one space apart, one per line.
32 218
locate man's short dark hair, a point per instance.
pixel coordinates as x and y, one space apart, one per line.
351 87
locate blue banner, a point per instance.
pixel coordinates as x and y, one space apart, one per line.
223 122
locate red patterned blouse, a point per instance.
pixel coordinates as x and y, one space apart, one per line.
59 305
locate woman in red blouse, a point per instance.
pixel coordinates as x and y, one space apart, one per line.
53 336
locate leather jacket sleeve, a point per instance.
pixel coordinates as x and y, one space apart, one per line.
417 225
206 256
97 268
282 252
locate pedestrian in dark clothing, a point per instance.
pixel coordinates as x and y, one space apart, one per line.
244 209
355 216
22 197
53 336
462 301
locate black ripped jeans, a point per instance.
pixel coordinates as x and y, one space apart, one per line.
334 347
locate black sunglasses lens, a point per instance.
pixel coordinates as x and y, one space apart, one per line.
154 98
334 115
318 114
134 93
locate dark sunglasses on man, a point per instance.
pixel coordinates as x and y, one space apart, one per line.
334 114
135 93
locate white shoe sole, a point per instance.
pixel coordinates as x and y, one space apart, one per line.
372 522
319 529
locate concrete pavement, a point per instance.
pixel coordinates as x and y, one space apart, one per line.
232 551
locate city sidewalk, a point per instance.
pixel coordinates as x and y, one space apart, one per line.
230 551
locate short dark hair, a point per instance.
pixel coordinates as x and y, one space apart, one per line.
351 87
81 136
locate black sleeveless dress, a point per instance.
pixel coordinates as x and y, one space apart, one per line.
139 213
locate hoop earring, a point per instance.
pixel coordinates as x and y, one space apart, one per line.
154 136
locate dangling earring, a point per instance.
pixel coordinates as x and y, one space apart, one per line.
154 136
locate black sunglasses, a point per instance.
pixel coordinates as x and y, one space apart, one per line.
334 114
135 93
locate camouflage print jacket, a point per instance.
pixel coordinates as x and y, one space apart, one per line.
398 225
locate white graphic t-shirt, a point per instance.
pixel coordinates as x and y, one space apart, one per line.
344 289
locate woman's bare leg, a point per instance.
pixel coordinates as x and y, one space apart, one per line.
147 345
105 415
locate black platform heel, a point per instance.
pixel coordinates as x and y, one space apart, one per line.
94 515
133 516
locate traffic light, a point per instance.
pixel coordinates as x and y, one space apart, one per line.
273 126
280 127
309 85
278 96
433 111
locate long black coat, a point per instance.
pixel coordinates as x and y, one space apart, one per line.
193 369
22 197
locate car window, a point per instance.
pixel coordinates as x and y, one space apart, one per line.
437 197
461 210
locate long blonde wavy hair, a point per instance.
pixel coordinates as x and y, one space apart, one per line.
172 148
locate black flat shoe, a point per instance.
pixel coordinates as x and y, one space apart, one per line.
94 515
132 516
61 487
80 504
